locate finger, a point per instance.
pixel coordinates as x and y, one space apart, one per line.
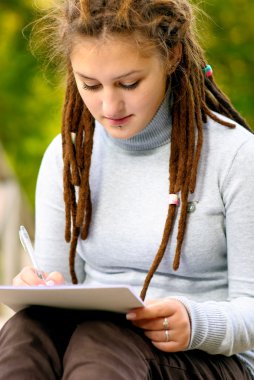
28 276
55 278
167 340
162 308
155 324
150 302
169 346
146 303
17 281
163 336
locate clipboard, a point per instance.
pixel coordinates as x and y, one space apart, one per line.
113 298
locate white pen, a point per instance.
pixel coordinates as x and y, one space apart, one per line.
28 247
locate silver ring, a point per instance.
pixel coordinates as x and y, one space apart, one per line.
165 323
167 335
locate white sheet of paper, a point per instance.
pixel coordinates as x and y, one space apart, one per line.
119 299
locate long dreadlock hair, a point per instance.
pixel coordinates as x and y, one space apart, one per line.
160 24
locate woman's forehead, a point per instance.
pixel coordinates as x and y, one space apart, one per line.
133 42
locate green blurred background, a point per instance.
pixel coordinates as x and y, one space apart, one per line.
31 101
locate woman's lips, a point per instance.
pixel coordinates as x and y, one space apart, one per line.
121 121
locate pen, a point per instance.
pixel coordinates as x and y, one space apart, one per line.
28 247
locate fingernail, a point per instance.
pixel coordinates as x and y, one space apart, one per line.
50 283
131 316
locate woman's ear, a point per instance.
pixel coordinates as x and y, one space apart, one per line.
176 56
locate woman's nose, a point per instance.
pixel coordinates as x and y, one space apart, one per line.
112 104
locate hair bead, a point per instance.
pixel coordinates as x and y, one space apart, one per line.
173 199
208 71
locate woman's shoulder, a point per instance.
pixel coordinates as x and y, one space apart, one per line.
227 150
54 148
52 160
225 139
55 144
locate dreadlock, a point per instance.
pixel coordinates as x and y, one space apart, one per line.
160 24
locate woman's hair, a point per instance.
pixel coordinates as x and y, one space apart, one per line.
160 25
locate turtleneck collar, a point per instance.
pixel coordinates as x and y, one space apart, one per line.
156 133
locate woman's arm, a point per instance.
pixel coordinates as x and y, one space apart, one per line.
50 246
221 327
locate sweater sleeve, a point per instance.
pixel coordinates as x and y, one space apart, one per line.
228 327
50 247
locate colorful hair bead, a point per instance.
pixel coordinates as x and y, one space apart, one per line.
173 199
208 71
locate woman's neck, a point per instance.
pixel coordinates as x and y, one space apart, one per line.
155 134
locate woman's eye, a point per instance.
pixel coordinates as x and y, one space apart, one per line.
130 86
95 87
90 88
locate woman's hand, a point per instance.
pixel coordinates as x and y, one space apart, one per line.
29 277
166 322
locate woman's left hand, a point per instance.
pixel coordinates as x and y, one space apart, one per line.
166 322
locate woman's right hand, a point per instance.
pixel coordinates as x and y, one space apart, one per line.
29 277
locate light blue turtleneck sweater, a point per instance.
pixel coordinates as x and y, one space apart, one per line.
129 186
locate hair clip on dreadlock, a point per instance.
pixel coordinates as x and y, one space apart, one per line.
208 71
173 199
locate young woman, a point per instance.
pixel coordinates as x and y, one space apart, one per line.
152 184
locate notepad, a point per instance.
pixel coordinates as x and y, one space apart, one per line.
119 299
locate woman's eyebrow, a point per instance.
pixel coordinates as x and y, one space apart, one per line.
116 78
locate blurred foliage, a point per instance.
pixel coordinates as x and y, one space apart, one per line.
30 101
30 108
228 39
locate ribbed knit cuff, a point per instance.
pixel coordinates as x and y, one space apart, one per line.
208 326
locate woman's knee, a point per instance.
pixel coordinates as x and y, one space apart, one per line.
105 350
27 350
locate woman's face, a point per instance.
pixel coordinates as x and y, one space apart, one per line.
121 88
